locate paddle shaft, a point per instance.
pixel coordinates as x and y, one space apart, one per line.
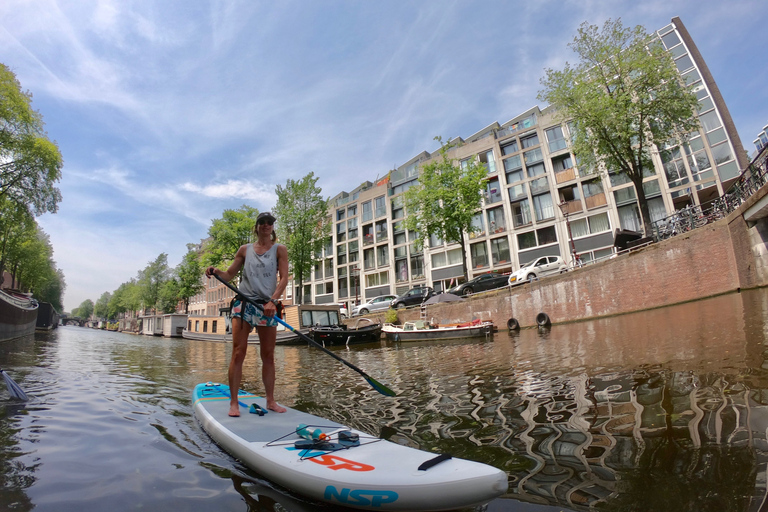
376 385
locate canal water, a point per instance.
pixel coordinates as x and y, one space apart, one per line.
656 411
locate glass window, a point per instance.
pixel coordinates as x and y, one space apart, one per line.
521 213
517 192
367 211
542 205
509 148
382 255
533 156
417 266
556 139
340 214
381 206
496 222
477 225
381 230
716 137
691 77
706 104
593 187
500 251
670 40
368 261
599 223
530 141
434 241
526 240
722 153
439 260
562 163
579 228
512 163
710 121
401 270
684 63
487 159
492 191
352 210
546 235
536 170
539 185
479 255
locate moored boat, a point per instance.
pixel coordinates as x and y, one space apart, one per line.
335 335
47 317
301 317
18 314
420 330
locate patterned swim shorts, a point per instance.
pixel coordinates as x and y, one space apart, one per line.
251 314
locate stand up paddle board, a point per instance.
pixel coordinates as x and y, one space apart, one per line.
330 462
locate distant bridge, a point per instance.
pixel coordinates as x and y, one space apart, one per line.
72 320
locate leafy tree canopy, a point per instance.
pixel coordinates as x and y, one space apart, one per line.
625 97
84 310
188 276
151 280
301 224
227 234
445 200
30 164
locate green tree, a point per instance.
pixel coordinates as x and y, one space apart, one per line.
227 234
445 200
17 225
151 279
624 96
301 224
101 308
30 163
188 274
84 310
168 297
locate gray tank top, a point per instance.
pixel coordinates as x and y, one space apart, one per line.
259 273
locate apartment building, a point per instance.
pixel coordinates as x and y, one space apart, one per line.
532 187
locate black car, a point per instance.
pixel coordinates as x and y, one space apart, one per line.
481 283
413 297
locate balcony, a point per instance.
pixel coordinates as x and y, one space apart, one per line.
522 219
565 175
573 206
596 200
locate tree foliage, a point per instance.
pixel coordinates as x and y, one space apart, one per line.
227 234
301 212
30 164
624 96
84 310
445 200
101 307
188 275
151 280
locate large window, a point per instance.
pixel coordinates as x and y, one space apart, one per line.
368 259
533 156
382 255
529 141
542 205
509 148
401 270
479 254
556 139
514 169
381 206
341 231
377 279
535 170
381 230
477 224
543 236
353 251
500 251
492 191
417 266
487 159
521 213
591 225
367 211
496 221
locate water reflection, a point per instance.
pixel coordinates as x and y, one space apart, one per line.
663 410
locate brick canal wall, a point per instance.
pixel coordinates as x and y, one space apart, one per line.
721 257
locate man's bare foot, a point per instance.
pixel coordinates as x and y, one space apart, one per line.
234 410
274 406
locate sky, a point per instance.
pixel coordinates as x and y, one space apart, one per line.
169 112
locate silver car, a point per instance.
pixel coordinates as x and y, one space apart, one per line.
374 304
540 267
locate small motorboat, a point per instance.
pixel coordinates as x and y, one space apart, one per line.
335 335
421 330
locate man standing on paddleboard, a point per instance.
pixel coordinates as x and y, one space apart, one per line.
262 262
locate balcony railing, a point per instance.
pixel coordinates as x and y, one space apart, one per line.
573 206
596 200
565 175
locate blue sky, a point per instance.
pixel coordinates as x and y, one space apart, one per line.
169 112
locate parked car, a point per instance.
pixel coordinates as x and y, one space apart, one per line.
413 297
343 311
540 267
374 304
481 283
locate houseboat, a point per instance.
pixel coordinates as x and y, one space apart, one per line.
18 314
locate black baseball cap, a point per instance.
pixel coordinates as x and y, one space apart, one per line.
265 215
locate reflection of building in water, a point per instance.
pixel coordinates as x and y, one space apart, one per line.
644 439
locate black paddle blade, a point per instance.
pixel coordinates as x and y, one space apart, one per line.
13 388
